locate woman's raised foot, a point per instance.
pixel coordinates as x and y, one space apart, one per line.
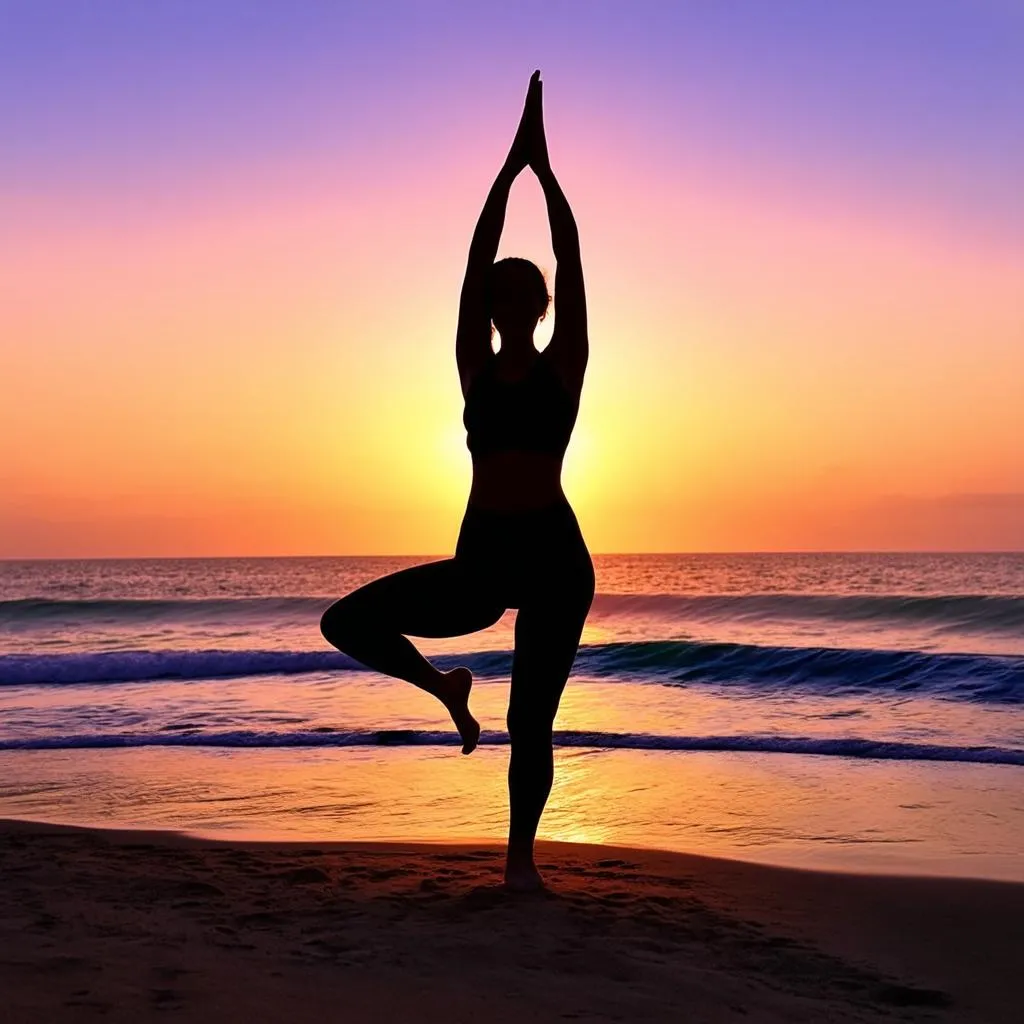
455 697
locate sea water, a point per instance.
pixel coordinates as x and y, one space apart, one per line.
857 711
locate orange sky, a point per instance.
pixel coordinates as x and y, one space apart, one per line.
260 360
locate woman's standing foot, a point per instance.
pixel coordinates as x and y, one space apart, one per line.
521 874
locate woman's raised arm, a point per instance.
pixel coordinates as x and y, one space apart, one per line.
473 336
569 341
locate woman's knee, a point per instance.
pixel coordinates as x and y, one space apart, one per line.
342 621
533 723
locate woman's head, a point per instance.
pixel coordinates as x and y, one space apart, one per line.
517 295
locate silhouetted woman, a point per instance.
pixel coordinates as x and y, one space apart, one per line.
520 545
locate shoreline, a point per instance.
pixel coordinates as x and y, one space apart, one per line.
937 870
786 810
127 924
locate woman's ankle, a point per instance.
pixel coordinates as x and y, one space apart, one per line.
520 852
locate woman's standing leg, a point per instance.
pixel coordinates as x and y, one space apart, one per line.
547 636
436 599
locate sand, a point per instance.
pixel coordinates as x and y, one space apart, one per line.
143 926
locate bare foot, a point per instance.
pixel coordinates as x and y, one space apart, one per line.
523 876
459 681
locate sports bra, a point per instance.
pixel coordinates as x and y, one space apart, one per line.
532 414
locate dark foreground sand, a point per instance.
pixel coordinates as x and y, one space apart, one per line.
136 926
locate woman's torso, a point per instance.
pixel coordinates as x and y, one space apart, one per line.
518 425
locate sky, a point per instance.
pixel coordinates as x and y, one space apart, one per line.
232 235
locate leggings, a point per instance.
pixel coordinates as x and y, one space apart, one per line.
535 561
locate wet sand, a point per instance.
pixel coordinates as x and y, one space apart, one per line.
145 926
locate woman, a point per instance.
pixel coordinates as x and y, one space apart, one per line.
520 545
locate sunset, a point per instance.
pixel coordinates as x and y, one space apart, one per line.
234 236
511 512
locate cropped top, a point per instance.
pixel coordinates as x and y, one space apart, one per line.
532 414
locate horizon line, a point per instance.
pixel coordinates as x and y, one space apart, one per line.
438 556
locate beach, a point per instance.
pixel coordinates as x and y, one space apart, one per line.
787 789
138 926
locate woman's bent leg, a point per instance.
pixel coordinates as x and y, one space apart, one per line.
435 599
547 637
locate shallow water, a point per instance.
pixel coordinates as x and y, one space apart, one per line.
882 816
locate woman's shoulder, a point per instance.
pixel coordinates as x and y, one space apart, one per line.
563 371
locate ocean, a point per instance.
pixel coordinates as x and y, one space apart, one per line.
853 711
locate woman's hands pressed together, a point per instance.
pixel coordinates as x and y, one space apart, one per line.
534 116
530 147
